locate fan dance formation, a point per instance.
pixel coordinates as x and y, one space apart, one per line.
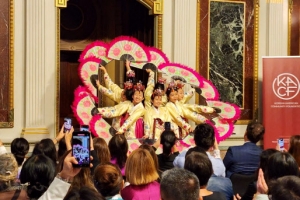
142 111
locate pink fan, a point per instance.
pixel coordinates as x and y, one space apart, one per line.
88 70
223 129
228 111
184 73
209 91
95 49
128 48
100 128
80 90
157 58
82 106
133 144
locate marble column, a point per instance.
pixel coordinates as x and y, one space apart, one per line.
277 29
40 69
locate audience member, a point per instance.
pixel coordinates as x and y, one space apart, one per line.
152 152
179 184
83 193
38 171
245 159
19 147
118 148
2 148
46 147
201 166
294 148
204 137
101 148
9 188
108 181
287 187
142 175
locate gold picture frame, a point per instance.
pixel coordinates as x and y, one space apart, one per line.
247 74
7 64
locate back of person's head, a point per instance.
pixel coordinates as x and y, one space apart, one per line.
281 164
195 149
152 152
200 165
39 172
8 170
168 140
294 148
264 157
179 184
83 178
204 136
140 168
102 150
255 131
118 148
83 193
62 148
19 147
287 187
46 147
108 179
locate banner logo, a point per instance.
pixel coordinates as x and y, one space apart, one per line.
286 86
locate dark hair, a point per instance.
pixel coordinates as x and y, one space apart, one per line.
152 152
159 85
128 94
294 148
102 150
179 184
287 187
168 140
19 148
118 148
39 172
108 179
200 165
83 193
204 136
255 131
264 157
195 149
62 148
281 164
46 147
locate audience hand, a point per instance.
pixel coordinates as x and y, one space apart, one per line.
68 138
262 187
60 135
237 197
216 146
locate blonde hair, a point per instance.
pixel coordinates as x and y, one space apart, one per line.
102 150
8 170
140 168
83 178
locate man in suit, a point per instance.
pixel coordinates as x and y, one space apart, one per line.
244 159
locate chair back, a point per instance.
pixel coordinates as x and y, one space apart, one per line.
240 182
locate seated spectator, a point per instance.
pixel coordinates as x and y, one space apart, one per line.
201 166
245 159
286 187
9 189
204 137
118 148
108 181
142 175
179 184
46 147
170 152
83 193
152 152
2 148
38 171
102 150
294 148
19 147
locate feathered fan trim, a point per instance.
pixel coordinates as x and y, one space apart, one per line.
92 47
80 90
209 91
95 118
74 106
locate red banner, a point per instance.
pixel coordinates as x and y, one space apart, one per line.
281 99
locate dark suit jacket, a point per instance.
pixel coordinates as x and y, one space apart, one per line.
242 159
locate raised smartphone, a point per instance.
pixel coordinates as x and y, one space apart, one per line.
67 124
84 128
81 148
280 142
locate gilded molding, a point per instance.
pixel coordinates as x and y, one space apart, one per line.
197 45
61 3
290 26
158 7
34 131
57 69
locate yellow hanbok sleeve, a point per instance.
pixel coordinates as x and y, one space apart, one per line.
115 111
148 122
113 87
133 117
198 108
188 96
176 118
149 90
107 92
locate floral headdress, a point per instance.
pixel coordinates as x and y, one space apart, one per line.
172 86
161 80
158 92
128 85
180 85
130 74
139 87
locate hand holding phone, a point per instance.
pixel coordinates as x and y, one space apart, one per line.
81 148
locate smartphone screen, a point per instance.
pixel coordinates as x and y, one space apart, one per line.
84 128
67 124
280 142
167 126
81 148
